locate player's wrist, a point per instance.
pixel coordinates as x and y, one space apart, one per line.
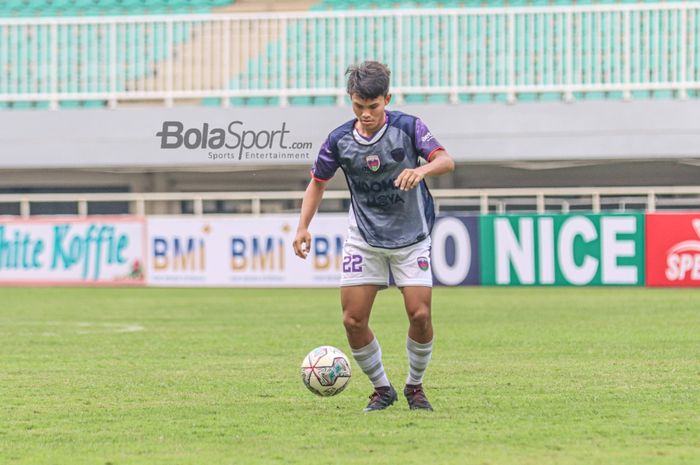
422 170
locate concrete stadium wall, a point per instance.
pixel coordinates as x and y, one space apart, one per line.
126 137
496 145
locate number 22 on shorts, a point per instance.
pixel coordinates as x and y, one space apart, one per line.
352 264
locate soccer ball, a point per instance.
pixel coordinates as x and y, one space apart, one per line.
325 371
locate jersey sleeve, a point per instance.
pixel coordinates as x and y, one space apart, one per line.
326 163
426 143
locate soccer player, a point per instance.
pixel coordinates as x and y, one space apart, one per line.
391 216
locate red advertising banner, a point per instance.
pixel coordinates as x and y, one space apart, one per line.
673 249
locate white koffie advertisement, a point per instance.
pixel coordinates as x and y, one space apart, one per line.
243 251
98 250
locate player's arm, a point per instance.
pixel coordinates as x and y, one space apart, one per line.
440 163
309 206
324 167
429 149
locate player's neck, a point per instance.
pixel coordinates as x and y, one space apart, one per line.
368 135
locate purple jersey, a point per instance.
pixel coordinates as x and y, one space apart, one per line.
386 216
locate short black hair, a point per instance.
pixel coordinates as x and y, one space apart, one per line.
369 80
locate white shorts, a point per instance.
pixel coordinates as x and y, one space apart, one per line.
364 264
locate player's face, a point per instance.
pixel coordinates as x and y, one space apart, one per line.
370 112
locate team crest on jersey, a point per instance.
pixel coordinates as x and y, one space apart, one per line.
373 162
423 263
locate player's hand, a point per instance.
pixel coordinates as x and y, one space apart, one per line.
302 243
408 179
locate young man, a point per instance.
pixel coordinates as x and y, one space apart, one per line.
391 216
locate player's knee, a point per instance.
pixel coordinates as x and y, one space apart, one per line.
420 315
353 324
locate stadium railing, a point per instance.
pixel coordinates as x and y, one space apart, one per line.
567 52
489 201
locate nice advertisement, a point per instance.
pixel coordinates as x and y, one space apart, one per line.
578 250
72 251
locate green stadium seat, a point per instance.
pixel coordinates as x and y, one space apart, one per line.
56 7
14 5
69 104
211 102
325 100
663 94
550 97
414 98
437 98
483 98
527 97
85 4
94 104
22 105
85 7
256 101
300 101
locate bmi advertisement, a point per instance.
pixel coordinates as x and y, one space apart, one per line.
257 251
243 251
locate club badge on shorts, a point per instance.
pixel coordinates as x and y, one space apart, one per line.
423 263
373 162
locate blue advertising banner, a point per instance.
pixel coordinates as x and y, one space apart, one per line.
455 251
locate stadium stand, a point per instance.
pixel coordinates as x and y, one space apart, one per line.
533 55
38 8
256 62
482 50
135 47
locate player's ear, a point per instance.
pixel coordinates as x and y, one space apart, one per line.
387 99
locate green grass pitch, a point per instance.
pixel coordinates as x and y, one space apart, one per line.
519 376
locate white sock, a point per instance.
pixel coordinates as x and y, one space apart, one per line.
418 358
369 358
